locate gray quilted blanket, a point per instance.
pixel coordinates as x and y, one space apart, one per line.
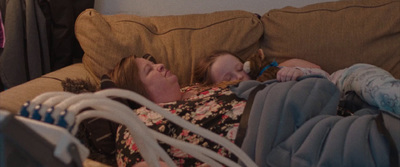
295 124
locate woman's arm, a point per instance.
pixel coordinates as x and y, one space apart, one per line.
299 63
292 73
294 68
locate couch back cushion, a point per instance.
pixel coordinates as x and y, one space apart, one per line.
177 41
336 35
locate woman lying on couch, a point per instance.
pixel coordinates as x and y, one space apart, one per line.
374 85
214 108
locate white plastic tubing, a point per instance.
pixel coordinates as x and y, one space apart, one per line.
65 110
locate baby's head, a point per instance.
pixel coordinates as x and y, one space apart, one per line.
218 67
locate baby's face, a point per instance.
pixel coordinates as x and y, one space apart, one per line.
227 68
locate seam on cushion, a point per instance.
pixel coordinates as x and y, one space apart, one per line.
51 78
175 29
336 10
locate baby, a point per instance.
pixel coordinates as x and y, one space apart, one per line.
373 84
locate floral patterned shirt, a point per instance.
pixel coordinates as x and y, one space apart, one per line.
215 109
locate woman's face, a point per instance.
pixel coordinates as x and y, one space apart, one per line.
227 68
161 85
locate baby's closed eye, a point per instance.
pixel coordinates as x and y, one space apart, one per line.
227 77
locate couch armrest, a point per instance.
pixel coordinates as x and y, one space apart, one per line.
12 99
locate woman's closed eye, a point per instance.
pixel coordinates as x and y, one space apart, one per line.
147 69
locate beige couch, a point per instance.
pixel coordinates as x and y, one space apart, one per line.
333 35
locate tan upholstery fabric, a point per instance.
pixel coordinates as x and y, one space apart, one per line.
176 41
337 34
333 35
12 99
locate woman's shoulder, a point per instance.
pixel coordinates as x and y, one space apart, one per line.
298 63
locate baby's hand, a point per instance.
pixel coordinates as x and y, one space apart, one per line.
288 74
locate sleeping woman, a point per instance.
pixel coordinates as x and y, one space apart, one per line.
213 108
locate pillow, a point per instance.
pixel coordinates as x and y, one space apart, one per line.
336 35
177 41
